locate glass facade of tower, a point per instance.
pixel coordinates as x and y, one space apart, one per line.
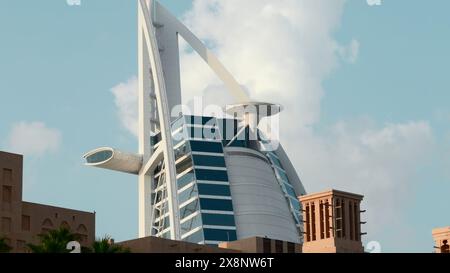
287 189
204 196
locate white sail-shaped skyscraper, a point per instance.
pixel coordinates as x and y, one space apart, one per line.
202 179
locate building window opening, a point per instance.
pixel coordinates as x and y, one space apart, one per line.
278 246
26 223
308 224
267 245
7 176
7 194
322 220
327 219
313 221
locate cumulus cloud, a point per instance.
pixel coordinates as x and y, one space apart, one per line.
126 100
33 139
280 50
379 162
350 53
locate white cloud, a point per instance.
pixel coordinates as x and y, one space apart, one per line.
33 139
126 100
280 50
350 53
379 163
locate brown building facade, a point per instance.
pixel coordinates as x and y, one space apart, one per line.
153 244
21 222
332 222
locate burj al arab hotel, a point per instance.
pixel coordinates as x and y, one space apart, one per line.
196 187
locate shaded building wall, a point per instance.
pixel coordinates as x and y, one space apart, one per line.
159 245
21 222
11 197
37 218
262 245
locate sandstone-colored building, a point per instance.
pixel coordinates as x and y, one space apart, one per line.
21 222
332 222
441 238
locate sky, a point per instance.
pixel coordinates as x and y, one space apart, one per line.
365 90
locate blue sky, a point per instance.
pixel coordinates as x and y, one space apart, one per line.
58 64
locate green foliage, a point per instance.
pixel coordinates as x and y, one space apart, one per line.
106 245
4 247
54 241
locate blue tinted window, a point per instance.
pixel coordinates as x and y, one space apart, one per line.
187 194
191 224
204 146
211 175
189 209
210 133
282 175
209 189
216 204
185 179
205 160
199 120
99 157
295 204
228 128
274 160
196 237
290 191
220 235
218 219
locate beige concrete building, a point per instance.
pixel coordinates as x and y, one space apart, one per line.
21 222
332 222
441 238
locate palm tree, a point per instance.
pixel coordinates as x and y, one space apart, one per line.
106 245
4 247
54 241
